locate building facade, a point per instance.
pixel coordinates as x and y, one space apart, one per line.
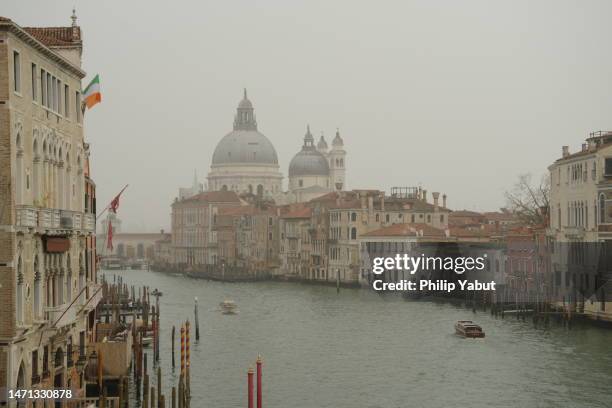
48 286
581 225
194 236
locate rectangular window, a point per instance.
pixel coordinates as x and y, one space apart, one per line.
17 71
49 92
34 83
59 96
43 87
66 101
77 105
608 166
54 94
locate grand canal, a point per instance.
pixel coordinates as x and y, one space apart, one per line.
362 349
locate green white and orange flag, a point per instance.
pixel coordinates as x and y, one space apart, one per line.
92 94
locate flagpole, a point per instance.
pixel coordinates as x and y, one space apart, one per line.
108 205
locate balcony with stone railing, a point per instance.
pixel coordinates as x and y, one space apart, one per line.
49 218
26 216
62 315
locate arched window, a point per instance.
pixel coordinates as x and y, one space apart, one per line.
602 208
67 183
260 190
68 279
81 272
37 288
19 169
20 292
224 187
60 180
35 171
353 233
21 384
353 217
59 358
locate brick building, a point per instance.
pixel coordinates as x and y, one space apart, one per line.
48 288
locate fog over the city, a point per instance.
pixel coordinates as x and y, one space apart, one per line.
458 96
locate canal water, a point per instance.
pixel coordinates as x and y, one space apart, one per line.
362 349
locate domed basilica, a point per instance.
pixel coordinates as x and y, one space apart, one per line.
245 161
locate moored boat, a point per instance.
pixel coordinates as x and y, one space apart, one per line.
469 329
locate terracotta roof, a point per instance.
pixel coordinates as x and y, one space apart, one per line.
407 230
499 216
303 212
54 36
245 210
469 233
465 213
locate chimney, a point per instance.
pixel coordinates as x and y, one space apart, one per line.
592 146
565 151
382 201
436 196
584 147
424 195
363 200
444 200
371 203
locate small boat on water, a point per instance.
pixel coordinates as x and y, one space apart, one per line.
228 307
468 329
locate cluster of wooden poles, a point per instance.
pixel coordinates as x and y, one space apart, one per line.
520 307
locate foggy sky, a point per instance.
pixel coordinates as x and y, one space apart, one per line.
457 96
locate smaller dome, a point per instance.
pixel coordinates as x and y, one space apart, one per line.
309 161
337 140
245 103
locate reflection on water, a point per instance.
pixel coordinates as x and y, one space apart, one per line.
362 349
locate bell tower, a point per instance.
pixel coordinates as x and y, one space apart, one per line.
337 163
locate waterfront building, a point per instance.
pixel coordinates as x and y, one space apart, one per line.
131 246
162 252
248 239
319 239
194 237
580 217
295 242
245 161
48 286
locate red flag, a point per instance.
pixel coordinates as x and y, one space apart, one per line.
114 205
109 236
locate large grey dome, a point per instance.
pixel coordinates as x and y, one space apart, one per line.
245 146
309 161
